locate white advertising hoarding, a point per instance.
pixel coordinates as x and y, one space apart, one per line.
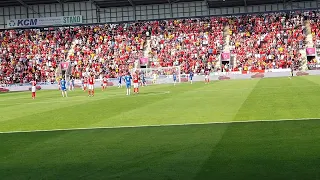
46 21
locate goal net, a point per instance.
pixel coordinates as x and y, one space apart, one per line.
161 75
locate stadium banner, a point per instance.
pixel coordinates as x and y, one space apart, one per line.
311 51
144 61
64 65
46 21
225 56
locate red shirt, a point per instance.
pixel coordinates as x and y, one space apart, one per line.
91 81
33 83
135 79
105 80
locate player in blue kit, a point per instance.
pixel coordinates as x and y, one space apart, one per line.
174 78
191 76
127 80
63 84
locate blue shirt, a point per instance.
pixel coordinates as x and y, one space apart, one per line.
128 79
174 76
191 74
63 84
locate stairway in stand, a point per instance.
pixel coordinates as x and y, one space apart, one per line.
147 48
226 47
309 44
71 50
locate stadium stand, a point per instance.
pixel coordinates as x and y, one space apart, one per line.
258 42
315 26
110 47
190 43
25 53
267 41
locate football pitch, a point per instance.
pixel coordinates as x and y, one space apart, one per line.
237 129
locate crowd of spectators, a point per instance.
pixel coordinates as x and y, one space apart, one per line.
25 54
190 43
259 42
315 28
106 48
267 41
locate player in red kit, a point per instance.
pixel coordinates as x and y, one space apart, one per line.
33 88
136 80
206 78
85 83
104 83
91 86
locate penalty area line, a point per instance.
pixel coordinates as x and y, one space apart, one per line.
159 125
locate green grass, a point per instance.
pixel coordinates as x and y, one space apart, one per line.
252 150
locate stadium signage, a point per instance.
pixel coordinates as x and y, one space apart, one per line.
225 56
311 51
47 21
144 61
64 65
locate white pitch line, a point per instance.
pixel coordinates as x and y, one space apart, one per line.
159 125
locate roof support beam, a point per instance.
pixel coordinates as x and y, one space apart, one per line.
61 6
28 7
134 9
245 5
132 4
95 3
206 1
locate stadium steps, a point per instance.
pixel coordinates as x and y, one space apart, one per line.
309 44
147 48
304 66
71 50
226 35
58 71
309 39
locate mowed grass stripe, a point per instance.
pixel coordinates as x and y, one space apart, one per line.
157 125
265 150
124 154
188 105
176 107
86 113
297 98
48 101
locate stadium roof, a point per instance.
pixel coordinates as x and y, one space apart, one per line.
119 3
